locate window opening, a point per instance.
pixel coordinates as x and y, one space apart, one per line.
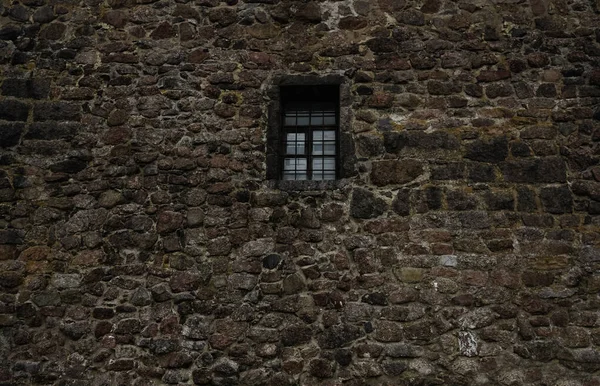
310 132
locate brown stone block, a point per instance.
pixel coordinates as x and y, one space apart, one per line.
352 23
8 252
436 87
442 249
54 31
310 12
550 262
538 60
391 62
386 331
13 110
262 31
88 258
547 169
380 100
409 274
186 12
35 253
391 172
538 7
505 278
460 21
366 261
117 135
473 278
116 18
387 225
498 90
493 75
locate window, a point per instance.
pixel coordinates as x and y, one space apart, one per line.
309 142
309 133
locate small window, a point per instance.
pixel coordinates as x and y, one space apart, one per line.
309 133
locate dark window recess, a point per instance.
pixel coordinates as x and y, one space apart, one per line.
309 145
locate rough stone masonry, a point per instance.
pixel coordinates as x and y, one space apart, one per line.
141 242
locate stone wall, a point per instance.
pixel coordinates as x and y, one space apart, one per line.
142 244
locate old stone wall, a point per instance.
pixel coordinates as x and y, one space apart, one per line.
141 243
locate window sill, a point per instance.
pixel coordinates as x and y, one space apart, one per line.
295 185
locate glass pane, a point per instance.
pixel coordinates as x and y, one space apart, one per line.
329 135
316 121
294 148
294 164
329 121
323 148
323 163
329 148
318 176
303 120
294 176
295 143
317 148
297 115
324 135
295 137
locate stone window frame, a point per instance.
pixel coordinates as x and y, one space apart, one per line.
347 156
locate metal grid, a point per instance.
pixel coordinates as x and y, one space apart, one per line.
310 141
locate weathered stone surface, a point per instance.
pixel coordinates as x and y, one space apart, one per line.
56 111
386 331
364 204
380 100
184 281
10 134
339 336
10 279
295 335
557 199
548 169
271 261
10 32
145 236
169 221
36 88
64 281
46 298
44 15
395 172
13 110
494 150
225 366
117 117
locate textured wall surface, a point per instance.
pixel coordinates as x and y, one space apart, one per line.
140 242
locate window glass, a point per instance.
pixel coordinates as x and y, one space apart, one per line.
295 169
323 163
321 135
297 115
319 176
324 148
309 132
316 120
329 120
295 143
